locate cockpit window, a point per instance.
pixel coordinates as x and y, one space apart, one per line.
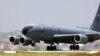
25 29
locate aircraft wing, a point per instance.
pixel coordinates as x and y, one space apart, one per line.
76 38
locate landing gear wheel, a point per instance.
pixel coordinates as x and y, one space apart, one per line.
77 47
71 47
51 48
74 47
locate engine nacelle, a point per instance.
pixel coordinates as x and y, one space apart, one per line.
25 41
81 39
14 40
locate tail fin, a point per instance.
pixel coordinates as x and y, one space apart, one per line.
96 23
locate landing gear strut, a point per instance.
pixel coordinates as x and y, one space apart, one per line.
74 47
33 44
51 47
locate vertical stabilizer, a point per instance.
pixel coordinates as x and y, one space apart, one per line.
96 23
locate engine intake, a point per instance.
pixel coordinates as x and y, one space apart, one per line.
81 39
14 40
25 41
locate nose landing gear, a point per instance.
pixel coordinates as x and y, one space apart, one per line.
33 44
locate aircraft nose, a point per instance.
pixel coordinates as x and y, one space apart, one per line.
25 29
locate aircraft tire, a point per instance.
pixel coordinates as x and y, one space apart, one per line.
77 47
74 47
51 48
71 47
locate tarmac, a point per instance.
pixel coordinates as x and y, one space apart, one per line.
51 53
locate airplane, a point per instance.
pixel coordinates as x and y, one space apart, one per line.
51 35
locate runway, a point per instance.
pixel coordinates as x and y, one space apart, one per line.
51 53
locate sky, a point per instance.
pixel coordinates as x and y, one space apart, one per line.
15 14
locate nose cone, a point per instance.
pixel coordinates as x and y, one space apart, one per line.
25 29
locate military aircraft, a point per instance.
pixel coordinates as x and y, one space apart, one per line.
51 35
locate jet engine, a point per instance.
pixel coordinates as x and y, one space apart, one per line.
14 40
25 41
81 39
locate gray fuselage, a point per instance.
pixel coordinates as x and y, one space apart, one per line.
46 33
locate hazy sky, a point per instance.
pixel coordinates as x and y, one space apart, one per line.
14 14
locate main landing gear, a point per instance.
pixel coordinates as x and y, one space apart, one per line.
51 47
74 47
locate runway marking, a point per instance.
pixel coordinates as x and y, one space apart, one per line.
9 51
93 52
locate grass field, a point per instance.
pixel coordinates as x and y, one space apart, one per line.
49 54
